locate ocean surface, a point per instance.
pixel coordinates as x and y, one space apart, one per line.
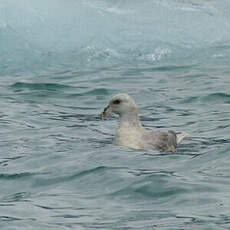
61 62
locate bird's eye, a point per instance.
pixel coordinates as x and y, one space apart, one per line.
116 102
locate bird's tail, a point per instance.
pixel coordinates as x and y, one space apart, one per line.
180 136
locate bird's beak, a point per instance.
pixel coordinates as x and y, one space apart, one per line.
107 110
102 114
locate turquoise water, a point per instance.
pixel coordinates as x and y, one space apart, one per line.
58 167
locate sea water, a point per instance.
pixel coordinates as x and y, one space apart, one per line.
60 63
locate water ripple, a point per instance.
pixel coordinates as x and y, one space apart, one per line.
39 86
15 176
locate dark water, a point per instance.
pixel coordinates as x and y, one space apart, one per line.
58 167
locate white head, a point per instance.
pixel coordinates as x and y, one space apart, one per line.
121 104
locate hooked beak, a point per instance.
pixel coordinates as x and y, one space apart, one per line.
107 110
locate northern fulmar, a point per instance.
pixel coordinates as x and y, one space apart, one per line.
130 131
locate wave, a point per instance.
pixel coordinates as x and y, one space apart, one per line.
210 98
86 32
39 86
15 176
217 97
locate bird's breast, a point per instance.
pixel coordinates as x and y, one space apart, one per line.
129 137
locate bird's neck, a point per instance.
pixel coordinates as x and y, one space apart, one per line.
129 131
130 121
